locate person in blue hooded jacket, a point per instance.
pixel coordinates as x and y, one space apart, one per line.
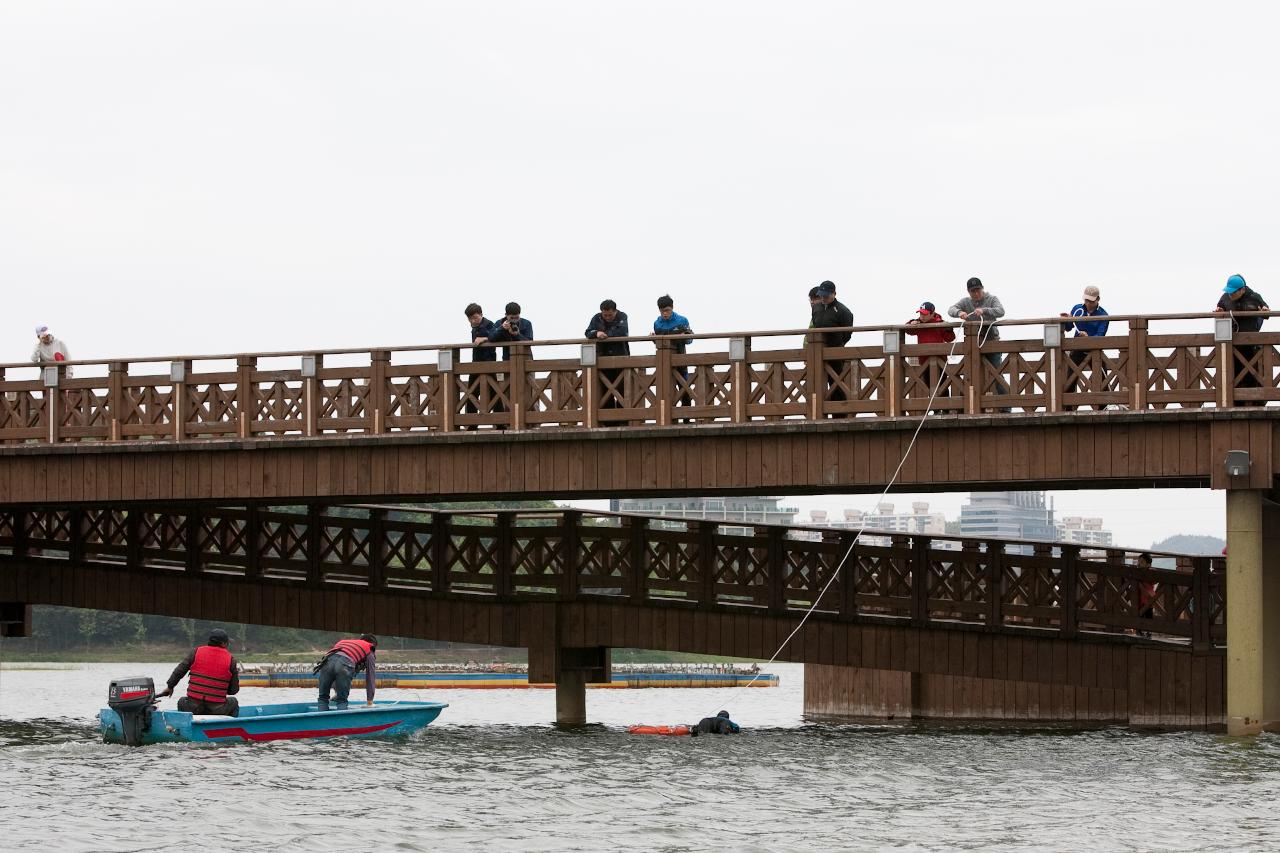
1090 306
1238 296
669 322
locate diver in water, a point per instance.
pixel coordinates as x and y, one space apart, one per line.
720 724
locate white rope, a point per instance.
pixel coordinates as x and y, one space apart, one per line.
840 566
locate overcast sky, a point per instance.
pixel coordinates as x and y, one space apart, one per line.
212 177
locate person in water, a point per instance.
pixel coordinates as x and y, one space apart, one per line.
341 663
215 675
720 724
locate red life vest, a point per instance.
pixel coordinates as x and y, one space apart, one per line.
210 675
357 650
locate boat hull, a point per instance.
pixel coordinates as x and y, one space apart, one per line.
288 721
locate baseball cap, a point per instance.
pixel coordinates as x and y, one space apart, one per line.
1233 284
826 288
42 330
926 308
1092 294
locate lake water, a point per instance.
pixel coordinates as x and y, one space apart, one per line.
491 773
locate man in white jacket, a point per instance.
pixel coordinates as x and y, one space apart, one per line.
49 349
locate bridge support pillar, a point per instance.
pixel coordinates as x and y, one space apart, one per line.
1253 612
571 668
15 619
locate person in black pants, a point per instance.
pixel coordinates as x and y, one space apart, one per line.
610 323
1238 296
831 313
481 328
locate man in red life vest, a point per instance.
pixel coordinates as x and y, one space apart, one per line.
215 675
341 663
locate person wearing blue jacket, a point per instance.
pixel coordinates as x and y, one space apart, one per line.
1090 307
671 323
478 332
513 327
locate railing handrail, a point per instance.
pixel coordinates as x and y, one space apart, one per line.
759 333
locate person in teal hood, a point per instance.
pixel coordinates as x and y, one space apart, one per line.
1238 296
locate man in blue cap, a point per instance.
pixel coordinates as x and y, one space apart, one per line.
1237 296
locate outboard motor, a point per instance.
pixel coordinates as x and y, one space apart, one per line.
134 700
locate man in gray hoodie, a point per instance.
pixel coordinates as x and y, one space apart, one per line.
984 309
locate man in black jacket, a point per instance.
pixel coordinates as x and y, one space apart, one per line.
1237 296
474 388
831 313
610 323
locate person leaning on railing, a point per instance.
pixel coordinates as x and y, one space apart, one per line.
480 329
927 315
831 313
669 322
1238 296
50 350
512 327
985 309
1089 307
610 323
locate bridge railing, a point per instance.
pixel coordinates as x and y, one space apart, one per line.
1060 589
1193 361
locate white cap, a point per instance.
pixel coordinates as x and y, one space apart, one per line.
42 330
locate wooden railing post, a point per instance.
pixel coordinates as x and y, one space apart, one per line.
440 551
570 549
116 373
379 396
503 582
995 584
815 374
181 370
707 562
664 384
1201 604
893 372
21 535
446 378
777 570
253 542
315 572
75 547
52 401
738 370
974 370
311 396
849 576
1068 580
377 550
1056 370
191 538
1226 373
919 578
639 559
519 386
1138 365
245 402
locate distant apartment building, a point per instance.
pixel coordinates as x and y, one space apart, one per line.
1008 515
1084 531
918 520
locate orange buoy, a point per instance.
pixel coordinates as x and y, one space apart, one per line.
658 730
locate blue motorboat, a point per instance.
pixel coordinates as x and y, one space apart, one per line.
133 718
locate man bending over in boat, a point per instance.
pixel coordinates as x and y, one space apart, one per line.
341 663
720 724
215 674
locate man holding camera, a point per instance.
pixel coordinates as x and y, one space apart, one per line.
610 323
512 327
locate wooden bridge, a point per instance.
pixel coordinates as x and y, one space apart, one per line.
1169 398
931 625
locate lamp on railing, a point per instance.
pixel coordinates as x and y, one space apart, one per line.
308 367
737 349
1222 330
892 342
1238 463
1052 335
177 371
588 356
444 361
50 376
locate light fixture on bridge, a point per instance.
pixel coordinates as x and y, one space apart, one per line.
892 342
588 356
308 368
1238 463
177 371
1053 335
50 377
737 349
1222 330
444 361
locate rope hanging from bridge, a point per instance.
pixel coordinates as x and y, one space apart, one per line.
984 329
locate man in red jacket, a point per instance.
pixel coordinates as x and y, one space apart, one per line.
934 365
215 675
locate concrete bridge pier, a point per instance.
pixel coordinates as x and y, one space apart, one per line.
571 668
15 619
1253 612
